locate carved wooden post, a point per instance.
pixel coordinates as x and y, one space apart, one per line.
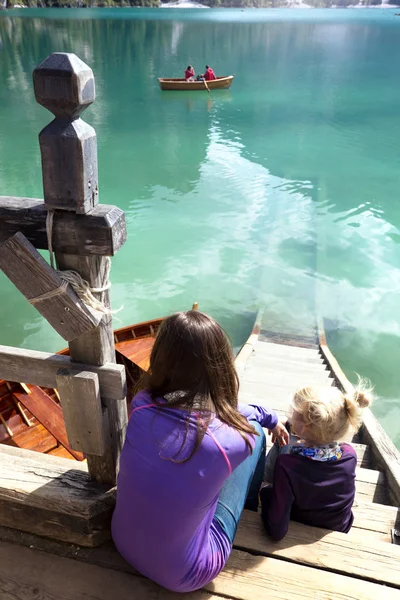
65 86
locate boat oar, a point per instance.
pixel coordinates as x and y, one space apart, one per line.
207 88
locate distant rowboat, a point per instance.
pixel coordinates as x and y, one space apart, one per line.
183 85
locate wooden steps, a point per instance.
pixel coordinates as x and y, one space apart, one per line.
309 563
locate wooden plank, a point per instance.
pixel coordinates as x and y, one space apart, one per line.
374 517
102 232
269 376
352 555
35 438
370 476
48 496
372 492
384 452
97 348
62 452
293 352
48 413
138 351
29 575
280 364
245 576
81 405
40 368
56 483
35 279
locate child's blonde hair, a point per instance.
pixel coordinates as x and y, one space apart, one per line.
328 414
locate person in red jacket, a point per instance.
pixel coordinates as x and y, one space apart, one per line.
209 75
189 73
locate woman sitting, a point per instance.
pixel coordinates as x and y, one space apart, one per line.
192 458
314 476
190 74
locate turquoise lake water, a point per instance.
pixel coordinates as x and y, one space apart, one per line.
282 191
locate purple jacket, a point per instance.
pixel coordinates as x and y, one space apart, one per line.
312 492
163 521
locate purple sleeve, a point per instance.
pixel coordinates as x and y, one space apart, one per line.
277 503
267 418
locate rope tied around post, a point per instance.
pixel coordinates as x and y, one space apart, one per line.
80 286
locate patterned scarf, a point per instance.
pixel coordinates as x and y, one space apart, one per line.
323 453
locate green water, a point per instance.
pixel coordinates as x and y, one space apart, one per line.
283 190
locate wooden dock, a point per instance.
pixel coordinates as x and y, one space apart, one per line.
308 563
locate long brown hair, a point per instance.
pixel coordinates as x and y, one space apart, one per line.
192 355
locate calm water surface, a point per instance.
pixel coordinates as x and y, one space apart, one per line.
283 191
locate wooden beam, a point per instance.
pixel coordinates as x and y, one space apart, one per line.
83 414
102 232
53 497
36 280
97 347
40 368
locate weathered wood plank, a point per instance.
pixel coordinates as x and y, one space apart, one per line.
34 278
352 555
40 368
97 347
102 232
49 496
370 516
29 575
245 576
80 400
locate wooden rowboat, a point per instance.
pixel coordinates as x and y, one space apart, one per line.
220 83
31 416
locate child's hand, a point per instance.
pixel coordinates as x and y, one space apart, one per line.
280 433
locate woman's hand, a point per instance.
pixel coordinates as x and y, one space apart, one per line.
280 433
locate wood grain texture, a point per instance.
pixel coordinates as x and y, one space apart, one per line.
102 232
352 555
40 368
26 574
49 414
97 348
52 482
48 496
81 406
69 165
33 277
106 575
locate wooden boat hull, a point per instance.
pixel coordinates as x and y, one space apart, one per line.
31 416
221 83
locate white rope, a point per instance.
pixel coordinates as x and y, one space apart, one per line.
80 286
52 294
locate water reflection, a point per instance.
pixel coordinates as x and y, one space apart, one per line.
280 190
